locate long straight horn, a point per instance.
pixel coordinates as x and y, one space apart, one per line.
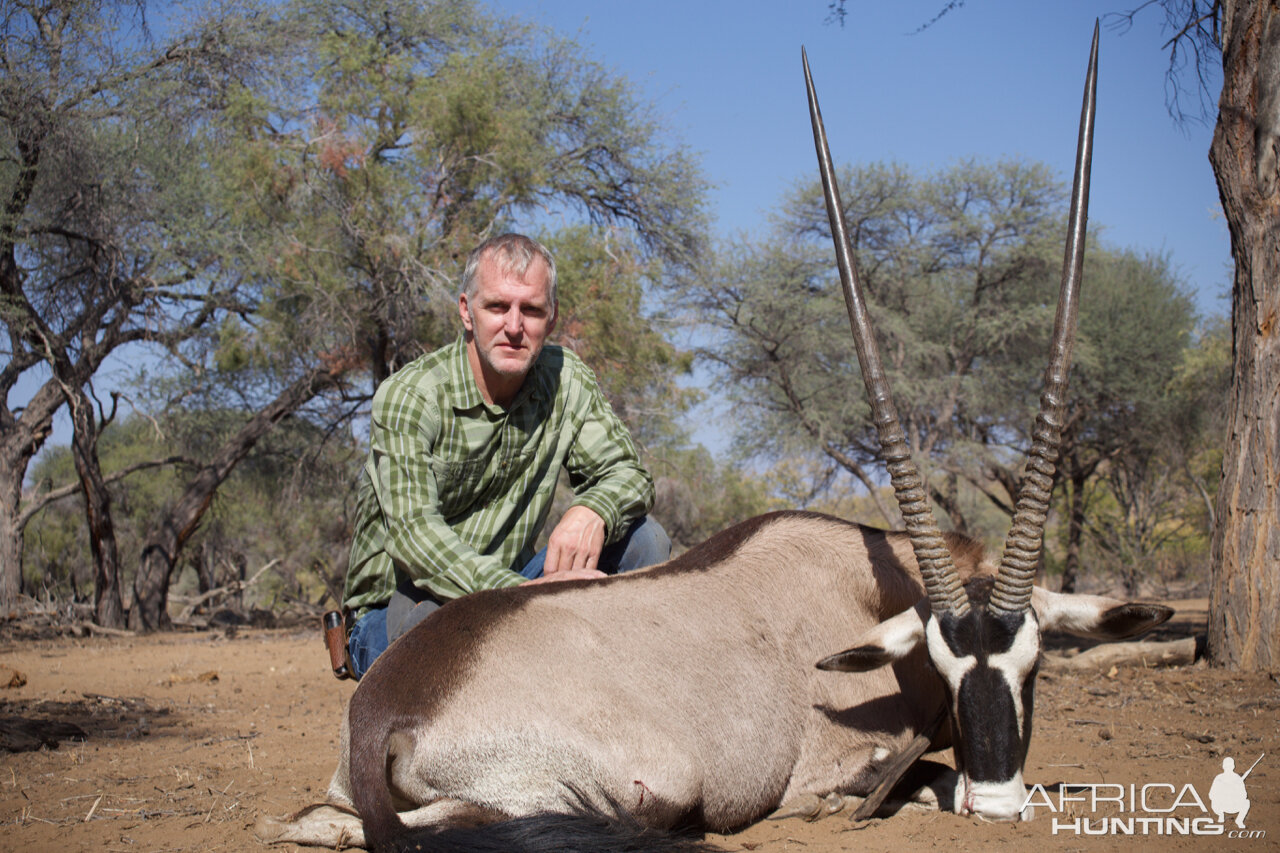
1012 593
936 567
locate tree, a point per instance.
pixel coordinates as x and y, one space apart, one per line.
95 237
950 261
1136 322
1244 605
402 134
288 504
1149 510
391 139
171 532
602 281
1244 35
699 495
961 291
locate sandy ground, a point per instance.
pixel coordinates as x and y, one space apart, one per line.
193 736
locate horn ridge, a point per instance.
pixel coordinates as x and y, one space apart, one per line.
942 583
1014 580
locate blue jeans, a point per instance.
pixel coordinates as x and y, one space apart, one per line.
644 544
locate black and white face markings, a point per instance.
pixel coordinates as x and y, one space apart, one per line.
989 665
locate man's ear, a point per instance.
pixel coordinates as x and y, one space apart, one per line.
890 641
464 309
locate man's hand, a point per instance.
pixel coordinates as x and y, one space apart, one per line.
576 542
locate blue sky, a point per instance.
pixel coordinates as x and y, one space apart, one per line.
993 78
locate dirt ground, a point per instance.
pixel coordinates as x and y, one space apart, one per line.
192 736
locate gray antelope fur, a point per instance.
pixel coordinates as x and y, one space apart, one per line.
690 695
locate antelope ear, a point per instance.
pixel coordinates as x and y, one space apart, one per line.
1095 616
890 641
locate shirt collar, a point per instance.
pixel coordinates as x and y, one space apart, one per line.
465 393
463 390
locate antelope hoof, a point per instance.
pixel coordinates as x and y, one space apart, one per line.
812 807
833 803
320 825
807 806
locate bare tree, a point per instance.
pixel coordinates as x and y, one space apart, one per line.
1244 604
1244 35
92 255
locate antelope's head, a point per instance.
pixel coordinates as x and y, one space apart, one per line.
983 639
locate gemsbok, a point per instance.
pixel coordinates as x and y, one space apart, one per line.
585 715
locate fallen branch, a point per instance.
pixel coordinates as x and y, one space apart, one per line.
228 589
91 628
20 734
93 808
1146 654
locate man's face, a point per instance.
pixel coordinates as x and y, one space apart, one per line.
509 318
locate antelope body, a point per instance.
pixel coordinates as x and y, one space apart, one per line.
687 694
684 694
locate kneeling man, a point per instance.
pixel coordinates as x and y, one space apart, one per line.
466 444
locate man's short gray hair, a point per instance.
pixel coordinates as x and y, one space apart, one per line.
514 253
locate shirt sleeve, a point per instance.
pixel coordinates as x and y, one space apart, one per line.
604 468
403 433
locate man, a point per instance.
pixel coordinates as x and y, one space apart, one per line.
1227 794
466 444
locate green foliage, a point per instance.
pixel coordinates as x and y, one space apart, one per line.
56 543
961 270
107 242
288 191
291 500
602 280
1150 509
1136 323
950 263
699 495
400 136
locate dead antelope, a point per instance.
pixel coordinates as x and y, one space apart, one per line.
687 694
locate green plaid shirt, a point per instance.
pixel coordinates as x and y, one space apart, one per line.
455 491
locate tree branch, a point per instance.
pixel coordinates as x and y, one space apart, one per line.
54 495
235 586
